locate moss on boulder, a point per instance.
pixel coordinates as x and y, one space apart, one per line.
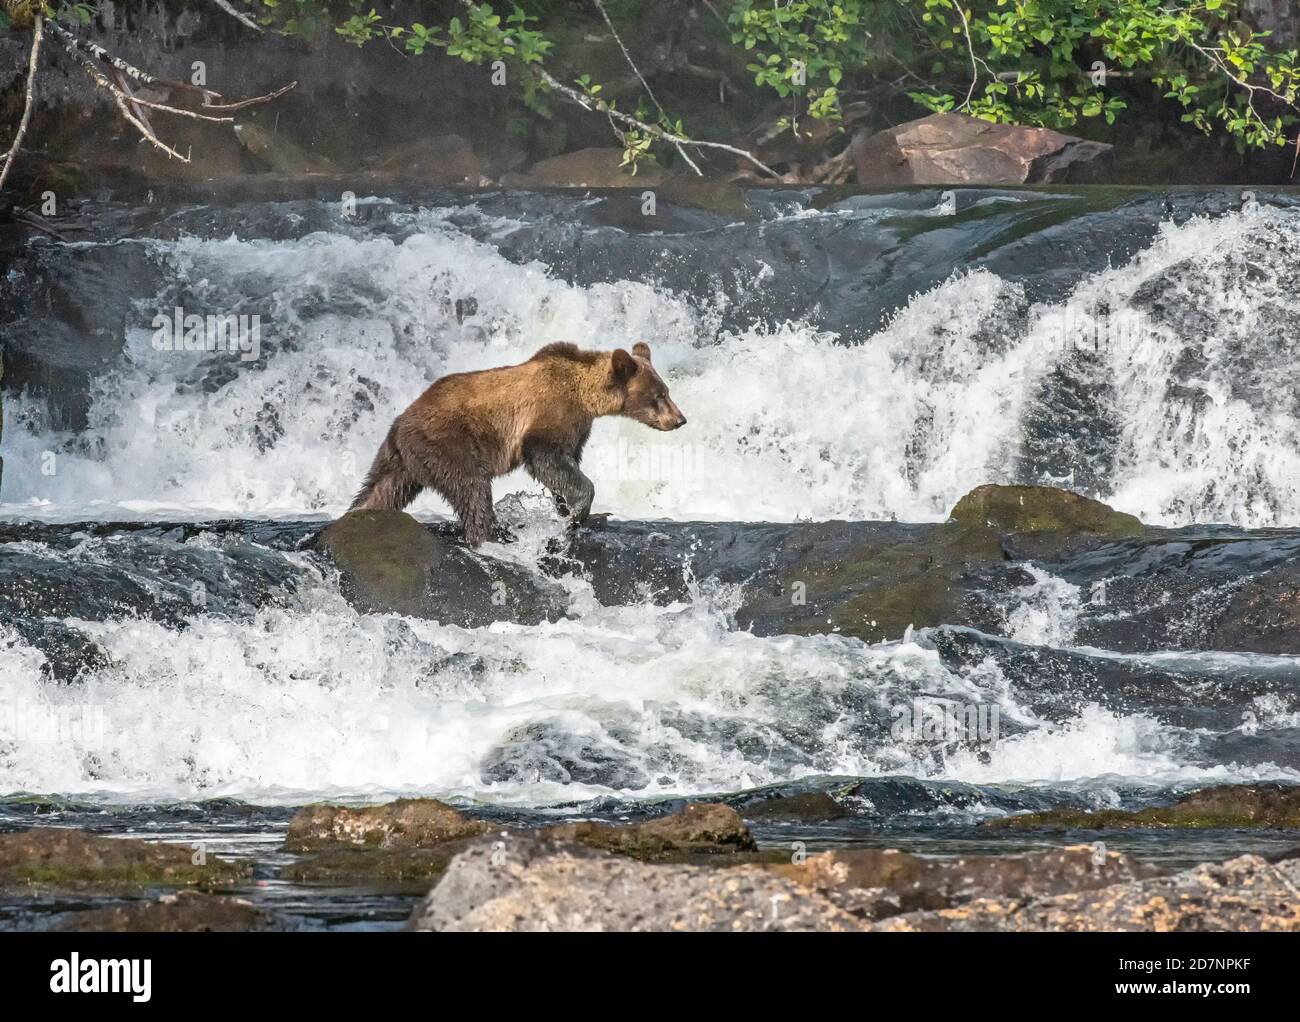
1225 806
406 823
1029 509
72 859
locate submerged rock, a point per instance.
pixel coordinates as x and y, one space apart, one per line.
1246 893
406 823
62 858
525 884
1227 805
183 912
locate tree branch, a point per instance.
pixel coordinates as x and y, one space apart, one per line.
119 98
11 155
239 16
590 103
587 103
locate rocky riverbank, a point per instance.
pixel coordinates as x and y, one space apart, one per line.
698 868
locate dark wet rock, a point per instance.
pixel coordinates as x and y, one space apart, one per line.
1263 613
1243 894
871 580
405 823
390 563
866 579
698 829
1055 683
408 870
68 652
1193 588
810 807
875 883
954 149
522 883
1228 805
183 912
546 751
70 859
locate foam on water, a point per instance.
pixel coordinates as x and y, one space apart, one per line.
1191 349
315 700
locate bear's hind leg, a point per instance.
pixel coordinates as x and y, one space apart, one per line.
472 501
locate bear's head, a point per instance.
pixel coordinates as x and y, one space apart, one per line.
645 395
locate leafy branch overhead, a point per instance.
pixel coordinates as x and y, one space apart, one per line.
1051 63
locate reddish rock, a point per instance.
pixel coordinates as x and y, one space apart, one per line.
952 149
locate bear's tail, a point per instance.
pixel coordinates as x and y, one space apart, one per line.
387 486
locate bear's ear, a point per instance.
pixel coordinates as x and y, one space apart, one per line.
624 366
641 350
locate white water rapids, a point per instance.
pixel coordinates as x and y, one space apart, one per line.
315 699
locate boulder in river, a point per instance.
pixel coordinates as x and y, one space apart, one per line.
405 823
390 563
698 829
526 883
523 883
954 149
62 858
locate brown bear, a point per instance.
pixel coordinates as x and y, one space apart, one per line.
468 428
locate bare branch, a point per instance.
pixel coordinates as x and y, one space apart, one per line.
119 98
646 85
228 107
970 49
587 103
239 16
11 155
628 57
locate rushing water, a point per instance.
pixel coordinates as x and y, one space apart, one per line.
832 365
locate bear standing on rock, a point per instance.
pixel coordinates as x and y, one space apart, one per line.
468 428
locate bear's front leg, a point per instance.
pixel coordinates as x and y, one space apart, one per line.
558 471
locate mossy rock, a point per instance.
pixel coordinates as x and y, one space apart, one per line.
1032 509
61 858
182 912
883 587
385 557
409 870
807 807
390 563
700 829
406 823
1227 806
